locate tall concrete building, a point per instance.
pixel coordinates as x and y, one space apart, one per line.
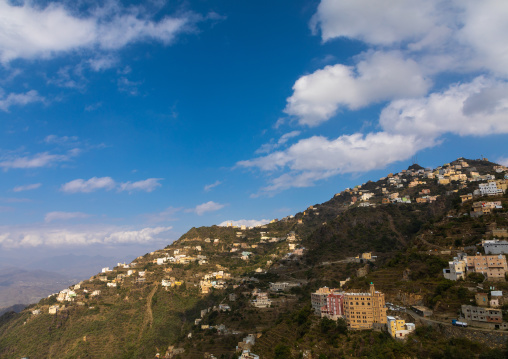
493 266
363 310
318 299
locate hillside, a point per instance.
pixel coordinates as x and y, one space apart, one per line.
194 298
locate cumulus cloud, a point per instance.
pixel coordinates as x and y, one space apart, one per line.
409 45
107 183
208 187
91 185
410 42
477 108
210 206
484 30
29 31
15 237
318 157
19 99
245 222
140 236
375 22
64 216
43 159
27 187
148 185
381 76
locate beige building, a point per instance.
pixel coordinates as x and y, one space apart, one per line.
494 267
363 310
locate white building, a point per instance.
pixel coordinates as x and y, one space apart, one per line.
495 246
456 269
489 189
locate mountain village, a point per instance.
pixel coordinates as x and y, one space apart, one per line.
237 265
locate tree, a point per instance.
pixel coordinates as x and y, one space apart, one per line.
282 352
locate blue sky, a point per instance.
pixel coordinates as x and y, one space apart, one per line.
124 124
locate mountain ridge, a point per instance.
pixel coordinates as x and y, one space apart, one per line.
141 316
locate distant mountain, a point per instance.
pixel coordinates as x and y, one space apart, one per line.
20 286
78 266
15 308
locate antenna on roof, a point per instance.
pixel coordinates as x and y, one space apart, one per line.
414 159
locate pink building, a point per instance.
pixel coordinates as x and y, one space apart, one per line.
334 307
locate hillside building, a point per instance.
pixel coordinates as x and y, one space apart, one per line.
398 328
456 269
495 246
363 310
490 189
492 266
492 316
334 308
318 299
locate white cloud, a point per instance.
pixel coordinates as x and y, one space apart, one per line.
410 42
148 185
64 216
28 31
19 99
317 157
375 22
108 183
36 236
140 236
208 187
348 153
477 108
268 147
27 187
409 45
43 159
103 62
485 30
245 222
210 206
91 185
379 77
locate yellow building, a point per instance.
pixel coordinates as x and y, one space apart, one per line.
367 255
398 328
364 309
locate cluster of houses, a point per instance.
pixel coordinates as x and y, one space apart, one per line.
261 300
245 346
486 312
213 280
458 172
493 267
360 310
